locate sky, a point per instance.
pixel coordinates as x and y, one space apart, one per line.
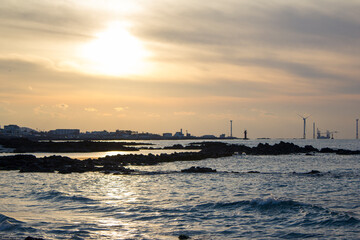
165 65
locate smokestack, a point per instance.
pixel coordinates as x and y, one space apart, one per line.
357 128
314 130
231 128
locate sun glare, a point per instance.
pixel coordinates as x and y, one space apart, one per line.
114 52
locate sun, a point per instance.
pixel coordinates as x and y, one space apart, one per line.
114 51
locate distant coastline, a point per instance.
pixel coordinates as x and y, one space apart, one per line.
10 131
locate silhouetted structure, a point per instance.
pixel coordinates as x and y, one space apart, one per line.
13 130
314 130
304 118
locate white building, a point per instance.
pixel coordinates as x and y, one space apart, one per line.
65 132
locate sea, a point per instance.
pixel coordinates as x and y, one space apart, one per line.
249 197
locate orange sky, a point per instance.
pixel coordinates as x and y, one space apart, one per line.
196 65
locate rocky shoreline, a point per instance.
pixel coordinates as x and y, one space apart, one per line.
113 164
281 148
23 145
118 164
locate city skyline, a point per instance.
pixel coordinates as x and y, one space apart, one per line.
165 65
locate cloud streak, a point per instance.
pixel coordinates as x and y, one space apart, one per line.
259 34
47 17
246 60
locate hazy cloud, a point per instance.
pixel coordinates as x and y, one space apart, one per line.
184 113
120 109
62 106
5 109
240 23
49 111
153 115
60 18
263 113
90 109
259 33
14 64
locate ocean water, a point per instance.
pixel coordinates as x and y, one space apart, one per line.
280 201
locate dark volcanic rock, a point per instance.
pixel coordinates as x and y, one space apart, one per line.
175 146
261 149
183 237
313 172
347 152
340 151
31 238
29 163
327 150
277 149
60 164
111 164
198 170
22 145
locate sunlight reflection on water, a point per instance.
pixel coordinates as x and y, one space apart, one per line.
87 155
164 202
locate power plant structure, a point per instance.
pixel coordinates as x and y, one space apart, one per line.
326 135
304 118
231 129
357 128
313 130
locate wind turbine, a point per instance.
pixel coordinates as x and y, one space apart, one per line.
304 118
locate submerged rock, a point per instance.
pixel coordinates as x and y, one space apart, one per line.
198 170
183 237
31 238
313 172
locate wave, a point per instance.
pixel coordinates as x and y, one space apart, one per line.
305 214
8 224
255 203
330 174
57 196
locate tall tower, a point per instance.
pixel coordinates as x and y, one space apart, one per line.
304 118
357 128
314 130
231 129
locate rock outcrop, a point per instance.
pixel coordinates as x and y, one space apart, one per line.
61 164
198 170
